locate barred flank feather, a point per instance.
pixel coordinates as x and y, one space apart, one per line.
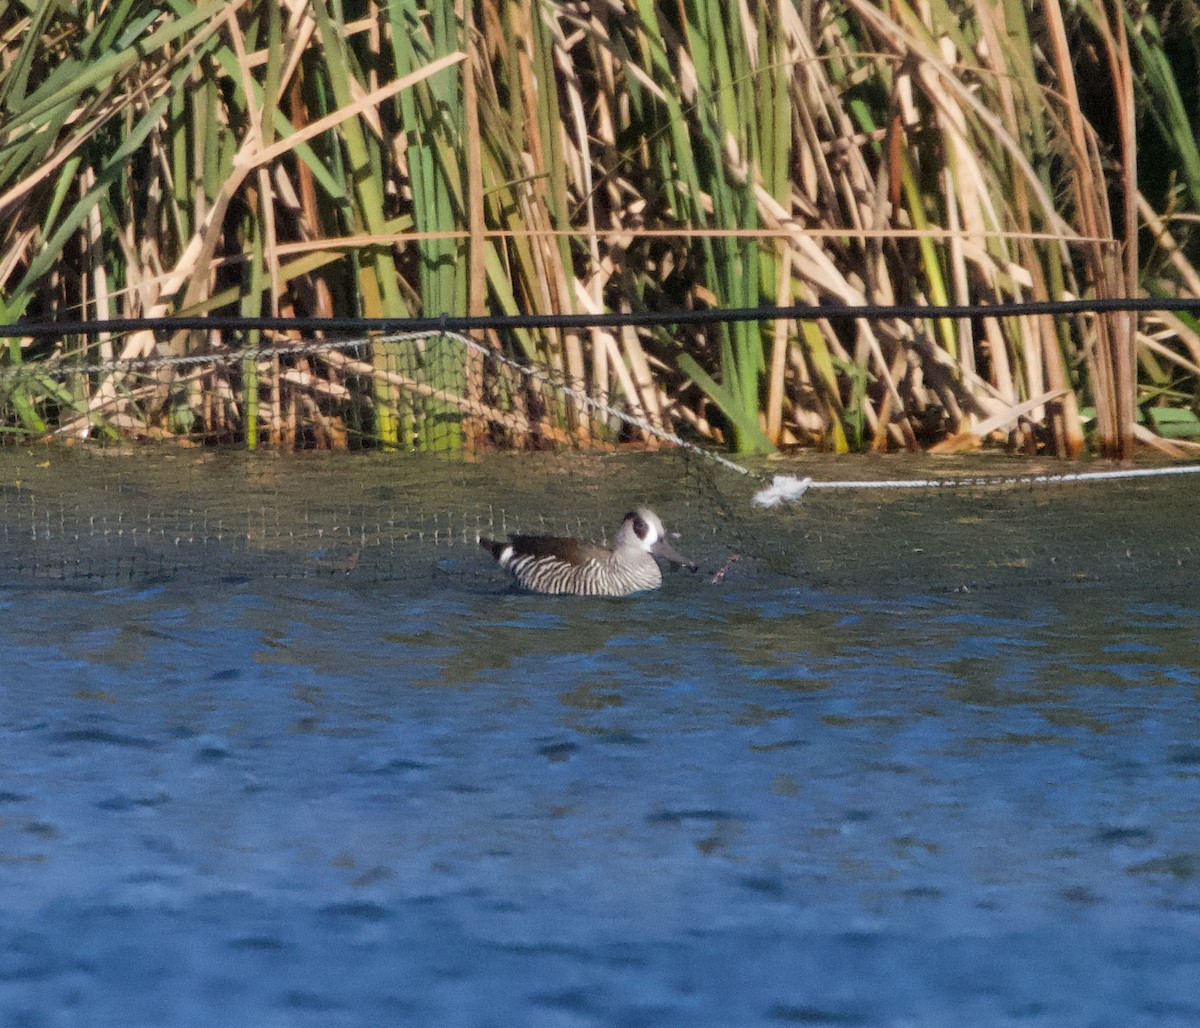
609 577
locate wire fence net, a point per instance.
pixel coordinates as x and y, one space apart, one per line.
388 458
142 514
429 391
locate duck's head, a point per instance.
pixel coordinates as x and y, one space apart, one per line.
643 530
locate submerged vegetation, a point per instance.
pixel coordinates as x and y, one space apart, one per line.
386 158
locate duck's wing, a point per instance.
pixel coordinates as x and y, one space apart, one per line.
570 551
561 547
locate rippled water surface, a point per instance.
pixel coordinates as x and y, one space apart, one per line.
335 801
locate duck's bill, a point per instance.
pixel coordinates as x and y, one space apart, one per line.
664 549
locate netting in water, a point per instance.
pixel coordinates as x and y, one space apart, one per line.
131 514
410 461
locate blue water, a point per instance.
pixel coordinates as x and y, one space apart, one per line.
753 803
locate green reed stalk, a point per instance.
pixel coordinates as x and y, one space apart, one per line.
433 120
696 146
379 282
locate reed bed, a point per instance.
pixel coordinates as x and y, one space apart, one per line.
546 156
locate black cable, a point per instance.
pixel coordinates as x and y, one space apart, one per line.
448 323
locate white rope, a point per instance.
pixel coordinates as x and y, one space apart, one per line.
790 489
582 397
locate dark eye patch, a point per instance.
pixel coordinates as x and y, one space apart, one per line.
640 528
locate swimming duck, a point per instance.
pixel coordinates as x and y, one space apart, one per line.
551 564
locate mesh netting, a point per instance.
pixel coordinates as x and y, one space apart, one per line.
141 514
989 534
432 392
412 447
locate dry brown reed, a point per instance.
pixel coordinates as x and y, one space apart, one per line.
550 156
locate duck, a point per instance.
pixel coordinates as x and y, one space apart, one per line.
565 566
